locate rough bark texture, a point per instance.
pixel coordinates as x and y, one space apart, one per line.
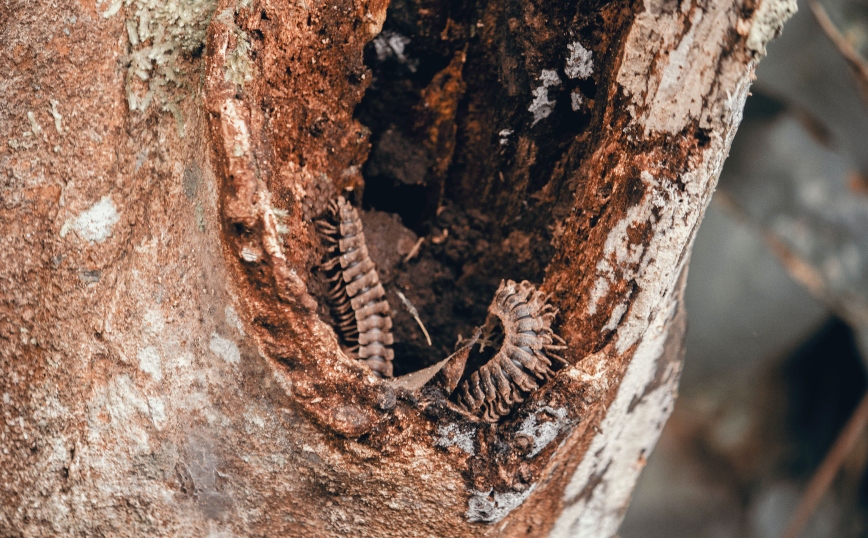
169 367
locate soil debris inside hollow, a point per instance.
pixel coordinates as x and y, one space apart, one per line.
418 116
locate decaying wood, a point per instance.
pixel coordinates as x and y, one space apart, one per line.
167 367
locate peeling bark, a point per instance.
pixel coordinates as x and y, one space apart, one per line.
169 364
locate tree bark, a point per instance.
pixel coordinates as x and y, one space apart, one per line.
169 364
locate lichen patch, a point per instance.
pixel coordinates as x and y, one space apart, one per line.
580 62
239 68
451 435
542 105
233 320
767 22
491 507
628 433
58 117
153 322
150 363
123 406
94 224
157 408
224 348
160 33
543 432
674 94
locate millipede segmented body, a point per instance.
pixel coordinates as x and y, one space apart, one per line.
357 297
524 360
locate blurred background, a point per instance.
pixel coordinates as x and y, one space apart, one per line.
777 301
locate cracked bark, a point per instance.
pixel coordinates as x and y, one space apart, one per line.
168 368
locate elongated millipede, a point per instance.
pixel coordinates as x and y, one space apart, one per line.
523 361
357 297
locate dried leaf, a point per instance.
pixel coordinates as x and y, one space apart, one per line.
452 368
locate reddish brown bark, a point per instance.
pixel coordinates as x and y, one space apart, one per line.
169 364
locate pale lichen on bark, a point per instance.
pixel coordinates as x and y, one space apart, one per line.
690 85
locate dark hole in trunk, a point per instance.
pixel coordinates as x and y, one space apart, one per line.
486 215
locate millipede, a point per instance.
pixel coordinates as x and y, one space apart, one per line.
357 297
524 360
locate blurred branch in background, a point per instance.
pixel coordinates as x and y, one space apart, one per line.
855 427
858 65
824 476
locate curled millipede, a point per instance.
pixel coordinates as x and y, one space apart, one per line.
357 297
524 359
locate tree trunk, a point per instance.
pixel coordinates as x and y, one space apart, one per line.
169 361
